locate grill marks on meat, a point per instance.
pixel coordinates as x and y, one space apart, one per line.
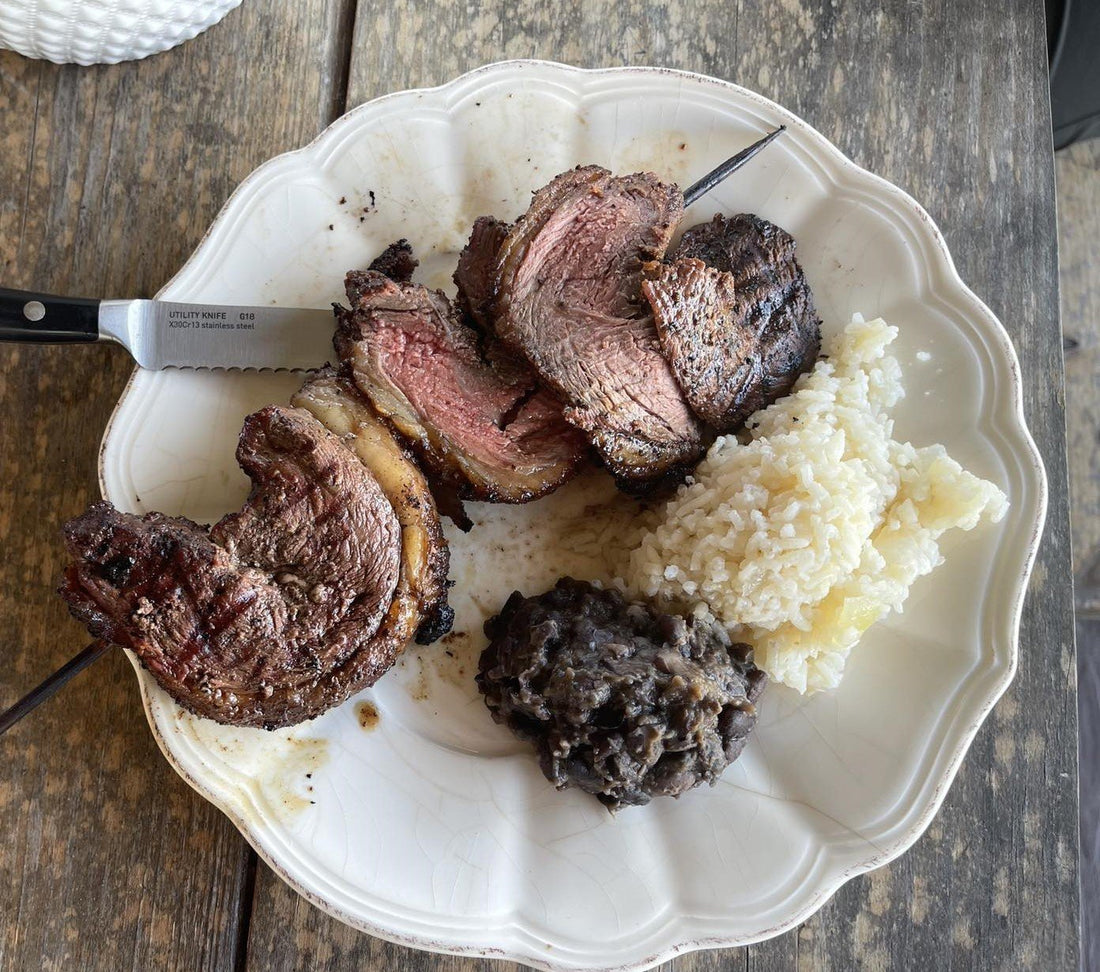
735 316
419 609
567 297
277 612
482 424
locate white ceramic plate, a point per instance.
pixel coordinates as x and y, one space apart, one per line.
431 826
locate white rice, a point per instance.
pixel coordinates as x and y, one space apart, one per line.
803 537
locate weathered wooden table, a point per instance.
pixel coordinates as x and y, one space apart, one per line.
108 178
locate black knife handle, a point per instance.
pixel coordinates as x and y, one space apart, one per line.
45 319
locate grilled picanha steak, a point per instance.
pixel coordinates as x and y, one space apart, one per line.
618 699
419 609
475 276
567 297
735 316
275 613
479 424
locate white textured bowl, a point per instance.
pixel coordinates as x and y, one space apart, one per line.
103 31
435 828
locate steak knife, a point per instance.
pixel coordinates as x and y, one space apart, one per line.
168 334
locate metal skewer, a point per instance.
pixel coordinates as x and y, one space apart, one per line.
37 696
727 168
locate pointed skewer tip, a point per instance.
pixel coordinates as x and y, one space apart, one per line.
723 171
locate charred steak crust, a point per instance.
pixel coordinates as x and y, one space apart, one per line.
735 316
617 698
419 610
271 616
473 422
396 261
567 296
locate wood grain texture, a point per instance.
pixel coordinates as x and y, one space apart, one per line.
110 862
948 100
108 179
1088 707
1078 170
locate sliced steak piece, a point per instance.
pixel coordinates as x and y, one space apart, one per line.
475 275
736 317
568 298
274 614
475 280
419 609
489 429
396 261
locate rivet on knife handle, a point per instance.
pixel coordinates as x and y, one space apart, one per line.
46 319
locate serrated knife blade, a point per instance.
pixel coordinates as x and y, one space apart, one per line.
170 334
166 334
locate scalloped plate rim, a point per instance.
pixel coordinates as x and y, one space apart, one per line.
1015 435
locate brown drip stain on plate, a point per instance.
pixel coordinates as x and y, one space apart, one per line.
298 762
417 687
452 659
367 715
455 661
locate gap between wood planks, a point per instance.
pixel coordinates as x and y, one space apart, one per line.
337 106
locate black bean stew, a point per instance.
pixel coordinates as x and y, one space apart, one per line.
619 699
